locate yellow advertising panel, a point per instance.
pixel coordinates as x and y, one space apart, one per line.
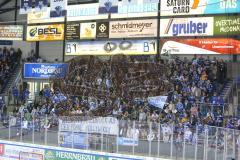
88 30
54 32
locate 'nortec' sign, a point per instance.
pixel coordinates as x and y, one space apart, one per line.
176 27
45 70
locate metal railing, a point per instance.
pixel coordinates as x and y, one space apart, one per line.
133 137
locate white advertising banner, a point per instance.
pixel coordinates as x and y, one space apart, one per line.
43 152
42 17
11 32
199 46
175 27
136 9
88 30
90 12
84 12
74 13
102 125
196 7
126 47
133 28
13 152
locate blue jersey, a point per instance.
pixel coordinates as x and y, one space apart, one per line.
191 99
179 106
214 100
26 94
15 92
47 93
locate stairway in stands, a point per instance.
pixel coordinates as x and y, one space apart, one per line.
227 89
13 79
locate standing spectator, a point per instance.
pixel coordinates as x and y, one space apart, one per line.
222 71
25 95
15 93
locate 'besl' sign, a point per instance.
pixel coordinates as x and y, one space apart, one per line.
45 32
45 70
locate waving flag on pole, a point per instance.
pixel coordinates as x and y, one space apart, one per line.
158 101
25 6
58 8
41 5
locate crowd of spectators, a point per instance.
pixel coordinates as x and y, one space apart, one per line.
120 87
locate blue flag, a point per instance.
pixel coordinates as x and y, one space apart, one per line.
108 6
25 6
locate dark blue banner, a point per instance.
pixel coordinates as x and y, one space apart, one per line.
41 5
58 8
6 43
45 70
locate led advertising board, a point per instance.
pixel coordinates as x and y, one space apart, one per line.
126 47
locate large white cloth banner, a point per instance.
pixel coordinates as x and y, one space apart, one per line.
101 125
